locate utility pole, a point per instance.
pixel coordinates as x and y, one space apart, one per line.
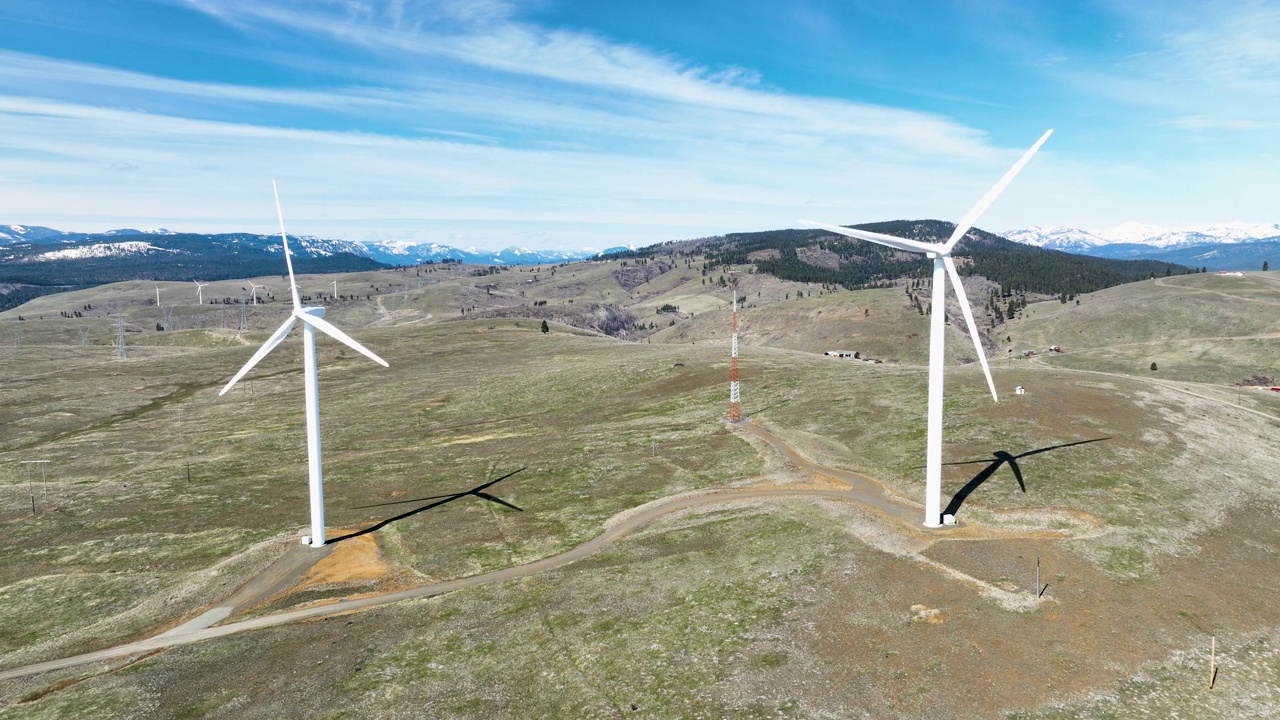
44 481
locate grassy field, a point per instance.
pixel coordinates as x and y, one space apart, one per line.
161 497
1199 328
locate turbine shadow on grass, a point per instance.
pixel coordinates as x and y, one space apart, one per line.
477 491
1001 457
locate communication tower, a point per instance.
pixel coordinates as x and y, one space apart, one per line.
735 403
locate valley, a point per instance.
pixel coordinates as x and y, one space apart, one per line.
705 569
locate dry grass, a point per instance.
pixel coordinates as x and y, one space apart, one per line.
797 608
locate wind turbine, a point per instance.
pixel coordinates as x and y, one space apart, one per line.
943 266
199 293
254 289
312 319
157 296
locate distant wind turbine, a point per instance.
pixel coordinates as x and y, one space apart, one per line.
312 319
254 289
157 296
199 293
943 266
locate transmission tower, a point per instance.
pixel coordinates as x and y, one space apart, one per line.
120 352
735 404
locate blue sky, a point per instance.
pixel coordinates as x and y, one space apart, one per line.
569 124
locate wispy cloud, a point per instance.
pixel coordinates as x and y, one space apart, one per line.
1200 65
1204 123
469 123
492 40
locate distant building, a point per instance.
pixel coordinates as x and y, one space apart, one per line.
842 353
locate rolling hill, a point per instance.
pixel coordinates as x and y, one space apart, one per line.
816 256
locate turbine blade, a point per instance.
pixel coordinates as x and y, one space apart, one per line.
968 318
267 347
972 216
293 286
327 328
896 243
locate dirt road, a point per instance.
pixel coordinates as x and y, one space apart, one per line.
850 487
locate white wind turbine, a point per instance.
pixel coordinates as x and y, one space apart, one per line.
943 265
312 319
254 290
199 291
157 296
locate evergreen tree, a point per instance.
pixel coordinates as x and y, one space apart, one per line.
545 328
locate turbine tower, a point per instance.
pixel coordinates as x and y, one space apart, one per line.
157 296
312 319
943 266
735 405
199 291
254 288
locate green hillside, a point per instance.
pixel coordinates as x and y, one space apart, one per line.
817 256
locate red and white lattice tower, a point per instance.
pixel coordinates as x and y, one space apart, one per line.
735 404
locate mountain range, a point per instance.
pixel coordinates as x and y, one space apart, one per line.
22 243
1227 246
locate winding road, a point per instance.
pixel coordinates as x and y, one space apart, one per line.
847 486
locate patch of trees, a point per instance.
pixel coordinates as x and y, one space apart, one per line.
26 293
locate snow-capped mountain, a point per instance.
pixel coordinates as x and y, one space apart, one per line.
1073 239
1224 246
401 254
102 250
1057 238
35 235
200 253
